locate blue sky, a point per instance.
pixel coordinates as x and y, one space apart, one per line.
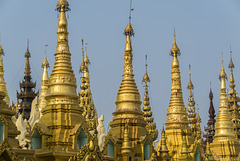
204 30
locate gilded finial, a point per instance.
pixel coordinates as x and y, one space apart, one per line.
129 29
175 49
146 77
45 61
190 85
231 65
27 54
222 73
85 61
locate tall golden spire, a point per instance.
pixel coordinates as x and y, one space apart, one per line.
225 144
232 85
128 106
151 126
233 100
128 103
2 81
85 95
177 122
62 116
44 88
62 70
223 125
62 65
191 106
176 112
45 66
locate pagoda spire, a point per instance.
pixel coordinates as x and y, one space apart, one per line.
85 95
233 100
176 112
224 139
27 55
2 81
128 103
177 123
62 114
128 106
27 94
232 81
151 126
221 128
191 107
232 93
210 129
45 65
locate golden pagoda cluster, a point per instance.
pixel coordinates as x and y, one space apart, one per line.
60 125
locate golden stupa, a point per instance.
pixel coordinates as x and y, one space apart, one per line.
69 128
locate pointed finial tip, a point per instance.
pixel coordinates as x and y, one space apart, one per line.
27 54
174 34
129 29
190 84
174 49
231 65
45 62
146 77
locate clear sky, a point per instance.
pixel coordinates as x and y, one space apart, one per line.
204 29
